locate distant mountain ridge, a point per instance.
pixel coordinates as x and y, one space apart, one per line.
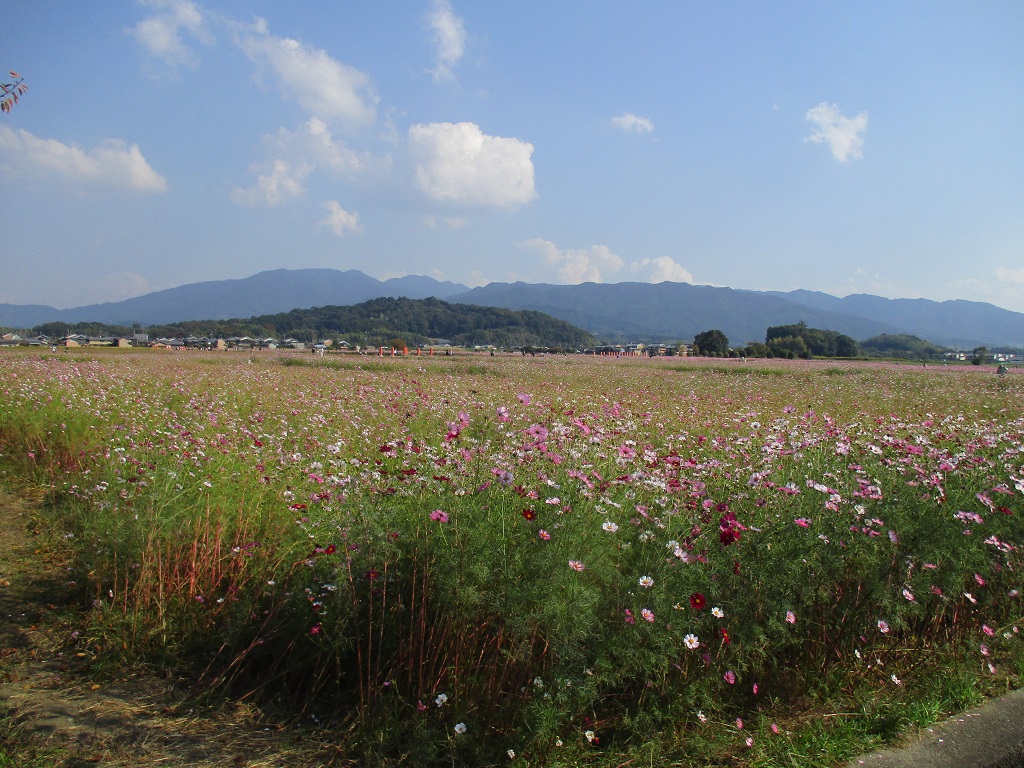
265 293
665 311
612 311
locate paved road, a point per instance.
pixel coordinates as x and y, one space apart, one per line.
991 736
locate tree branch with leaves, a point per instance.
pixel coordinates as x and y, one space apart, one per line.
11 92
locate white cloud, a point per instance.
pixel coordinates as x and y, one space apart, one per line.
843 134
1015 276
577 266
445 222
339 220
324 86
632 123
117 286
281 181
448 34
113 163
293 156
161 34
661 269
459 163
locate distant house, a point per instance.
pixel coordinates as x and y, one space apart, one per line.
167 344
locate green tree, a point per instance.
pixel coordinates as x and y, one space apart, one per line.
978 355
712 343
846 346
756 349
789 347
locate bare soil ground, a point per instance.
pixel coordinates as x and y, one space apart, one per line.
57 708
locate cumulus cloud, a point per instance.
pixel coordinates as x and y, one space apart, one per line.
632 123
459 163
325 87
163 33
293 156
280 181
448 34
577 266
660 270
842 134
339 220
113 163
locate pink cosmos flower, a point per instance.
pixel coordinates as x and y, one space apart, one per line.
730 677
790 617
987 630
576 565
803 522
544 535
439 515
648 614
883 627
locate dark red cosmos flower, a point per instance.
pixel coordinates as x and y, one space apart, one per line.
330 549
728 536
729 529
298 506
724 634
529 514
698 601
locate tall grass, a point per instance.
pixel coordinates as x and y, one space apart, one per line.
574 561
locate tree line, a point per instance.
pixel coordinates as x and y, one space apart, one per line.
378 322
800 341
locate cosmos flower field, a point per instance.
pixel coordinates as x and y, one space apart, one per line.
551 560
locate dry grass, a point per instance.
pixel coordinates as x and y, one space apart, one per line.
60 707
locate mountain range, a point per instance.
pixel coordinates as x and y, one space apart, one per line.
613 312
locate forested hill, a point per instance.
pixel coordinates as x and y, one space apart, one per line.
415 321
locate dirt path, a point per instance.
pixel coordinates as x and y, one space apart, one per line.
56 710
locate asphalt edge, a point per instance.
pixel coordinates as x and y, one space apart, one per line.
990 736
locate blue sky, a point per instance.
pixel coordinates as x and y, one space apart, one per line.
846 147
